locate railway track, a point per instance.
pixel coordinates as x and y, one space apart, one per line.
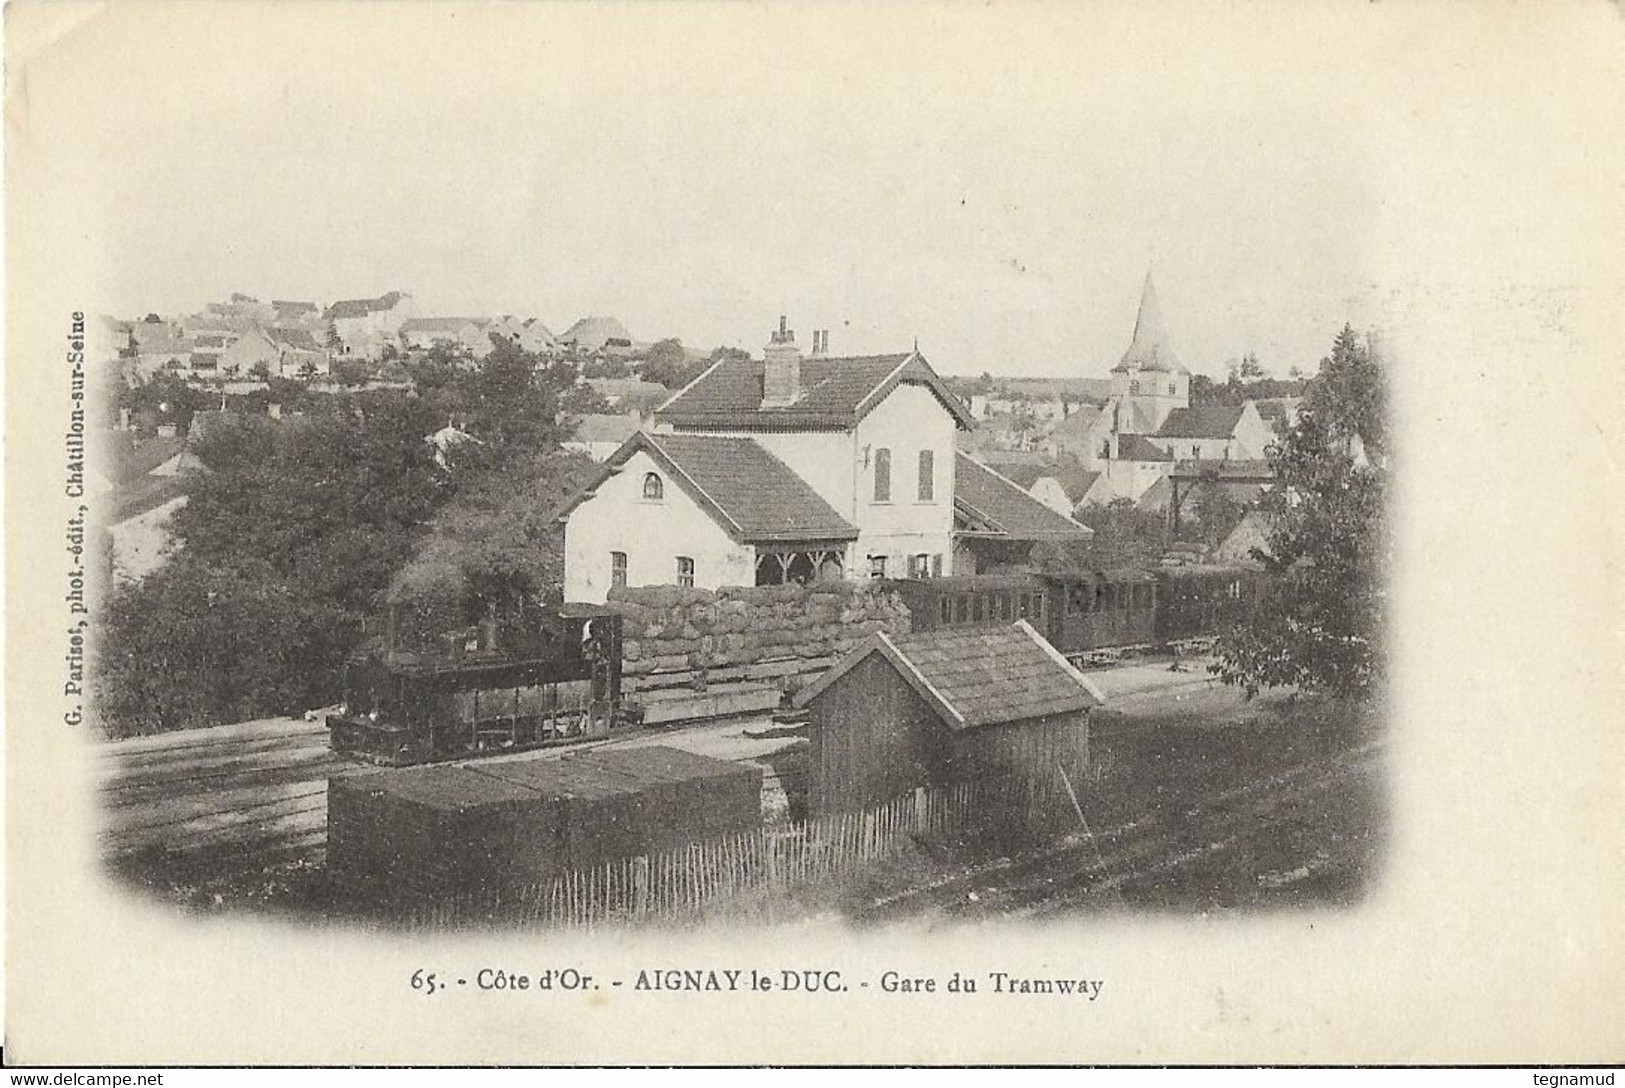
1085 869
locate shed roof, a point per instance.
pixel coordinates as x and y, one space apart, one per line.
976 677
996 507
751 494
835 392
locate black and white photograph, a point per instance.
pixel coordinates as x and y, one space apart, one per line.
691 533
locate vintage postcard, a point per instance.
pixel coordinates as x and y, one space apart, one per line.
806 533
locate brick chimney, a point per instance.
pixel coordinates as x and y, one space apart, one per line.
781 376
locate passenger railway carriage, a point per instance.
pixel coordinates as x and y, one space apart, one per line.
1090 613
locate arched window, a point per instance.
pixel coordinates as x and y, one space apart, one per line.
653 486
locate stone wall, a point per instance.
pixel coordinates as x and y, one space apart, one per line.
783 636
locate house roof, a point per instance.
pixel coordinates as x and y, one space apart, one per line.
993 506
361 307
604 428
1157 498
1150 348
976 677
1206 421
1077 482
1077 424
441 324
636 388
751 494
1278 410
155 336
835 392
595 331
1137 447
130 457
294 338
1023 473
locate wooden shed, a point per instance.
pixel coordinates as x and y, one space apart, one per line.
997 706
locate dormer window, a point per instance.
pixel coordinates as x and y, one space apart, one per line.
654 488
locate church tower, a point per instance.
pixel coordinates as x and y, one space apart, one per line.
1150 381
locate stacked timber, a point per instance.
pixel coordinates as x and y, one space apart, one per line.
736 644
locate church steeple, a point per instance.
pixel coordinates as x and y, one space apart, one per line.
1150 349
1150 382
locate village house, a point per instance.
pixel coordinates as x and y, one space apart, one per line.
793 469
365 325
148 479
298 353
997 709
597 333
468 333
252 349
1214 432
629 394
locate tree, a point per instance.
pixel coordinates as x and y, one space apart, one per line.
260 370
1319 623
667 363
493 548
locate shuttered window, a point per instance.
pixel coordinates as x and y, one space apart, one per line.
883 475
928 478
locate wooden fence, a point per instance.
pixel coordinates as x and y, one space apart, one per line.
683 882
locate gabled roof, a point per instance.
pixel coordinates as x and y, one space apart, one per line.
976 677
1137 447
752 495
1278 411
1207 421
595 331
1150 349
1077 482
1138 419
835 393
992 506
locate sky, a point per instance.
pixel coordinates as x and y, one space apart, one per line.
993 181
